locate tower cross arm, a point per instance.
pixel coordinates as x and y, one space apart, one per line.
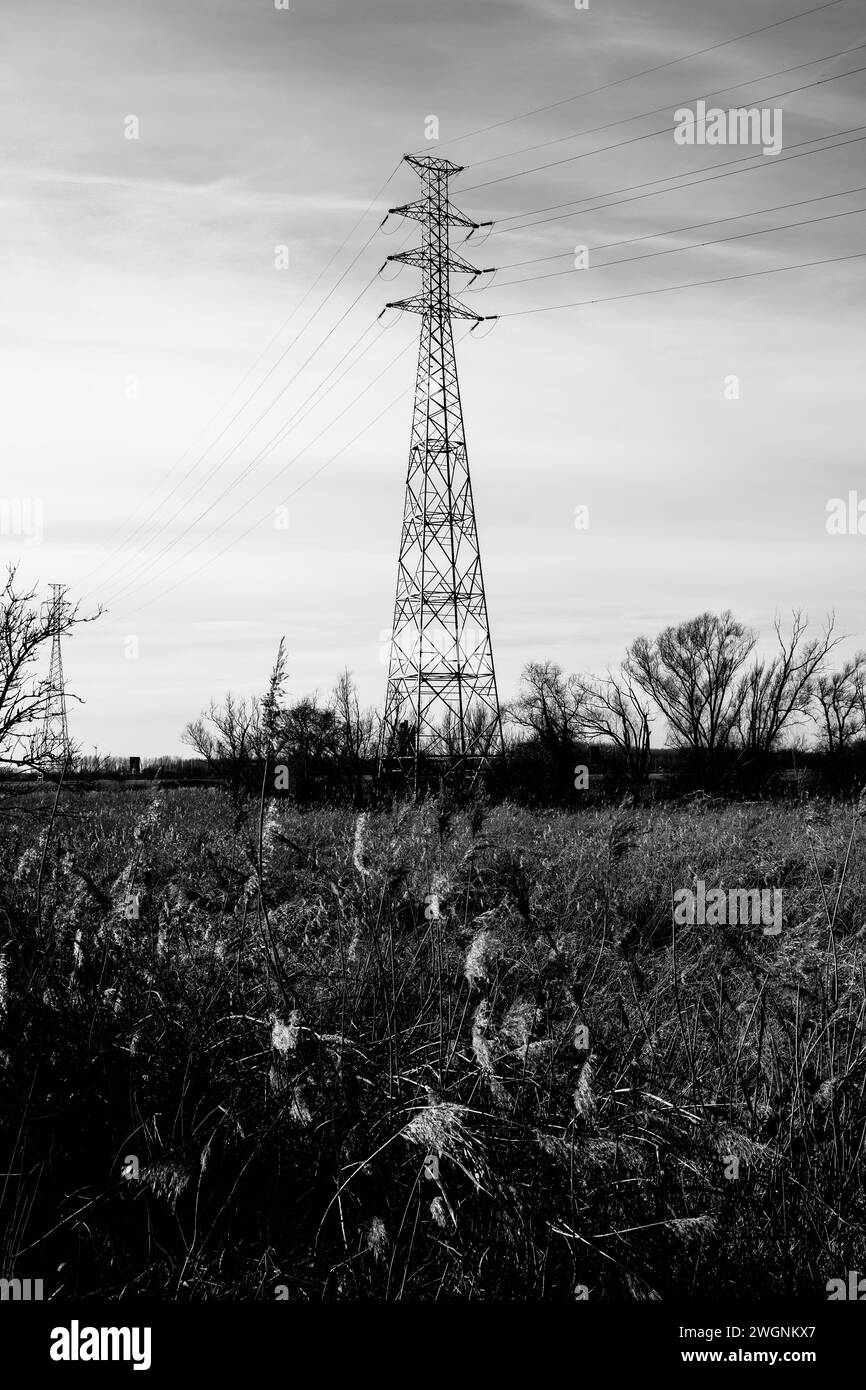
417 257
459 219
417 210
418 304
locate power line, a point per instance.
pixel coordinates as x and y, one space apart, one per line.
406 391
132 579
302 410
754 162
141 582
269 374
650 134
658 67
306 407
692 284
674 231
675 250
250 429
210 560
125 541
665 106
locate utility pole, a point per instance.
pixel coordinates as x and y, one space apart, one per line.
53 747
441 704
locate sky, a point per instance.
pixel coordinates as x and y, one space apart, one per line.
205 423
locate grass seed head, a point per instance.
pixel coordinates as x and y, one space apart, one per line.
377 1238
284 1036
484 951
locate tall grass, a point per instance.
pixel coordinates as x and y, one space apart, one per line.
428 1053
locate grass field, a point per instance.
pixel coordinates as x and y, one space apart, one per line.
428 1052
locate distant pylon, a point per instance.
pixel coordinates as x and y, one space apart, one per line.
441 701
53 746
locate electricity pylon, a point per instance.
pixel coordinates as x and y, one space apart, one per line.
53 745
441 702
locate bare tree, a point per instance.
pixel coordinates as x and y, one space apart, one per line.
235 737
482 729
355 731
477 736
26 631
839 702
778 691
551 708
396 737
616 712
311 740
228 737
690 672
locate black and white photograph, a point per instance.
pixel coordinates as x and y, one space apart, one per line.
432 679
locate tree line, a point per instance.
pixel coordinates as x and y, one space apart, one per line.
700 688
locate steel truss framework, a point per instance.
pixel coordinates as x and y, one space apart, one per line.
441 700
53 743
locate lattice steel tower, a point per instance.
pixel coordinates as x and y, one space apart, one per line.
53 746
441 701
